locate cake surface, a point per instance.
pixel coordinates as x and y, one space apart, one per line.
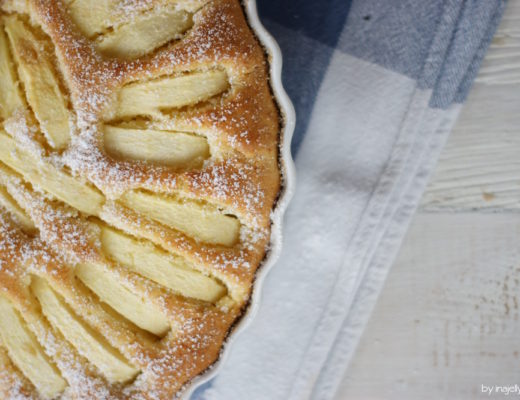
138 172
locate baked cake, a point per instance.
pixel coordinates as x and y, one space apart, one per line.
138 171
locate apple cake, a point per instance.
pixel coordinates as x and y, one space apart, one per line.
138 172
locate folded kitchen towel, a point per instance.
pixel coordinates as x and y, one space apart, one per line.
377 86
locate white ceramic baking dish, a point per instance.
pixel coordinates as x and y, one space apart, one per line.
288 181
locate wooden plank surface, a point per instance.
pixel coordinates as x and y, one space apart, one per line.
447 320
479 168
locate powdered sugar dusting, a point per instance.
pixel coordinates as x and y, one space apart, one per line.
241 125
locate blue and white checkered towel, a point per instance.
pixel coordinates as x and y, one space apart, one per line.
377 86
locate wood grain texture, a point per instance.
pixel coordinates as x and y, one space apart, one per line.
447 320
479 168
502 62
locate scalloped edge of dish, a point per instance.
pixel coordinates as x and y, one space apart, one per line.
288 173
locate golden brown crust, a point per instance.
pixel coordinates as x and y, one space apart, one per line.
240 178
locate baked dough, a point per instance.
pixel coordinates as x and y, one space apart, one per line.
138 171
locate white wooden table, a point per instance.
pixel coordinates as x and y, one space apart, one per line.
447 321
